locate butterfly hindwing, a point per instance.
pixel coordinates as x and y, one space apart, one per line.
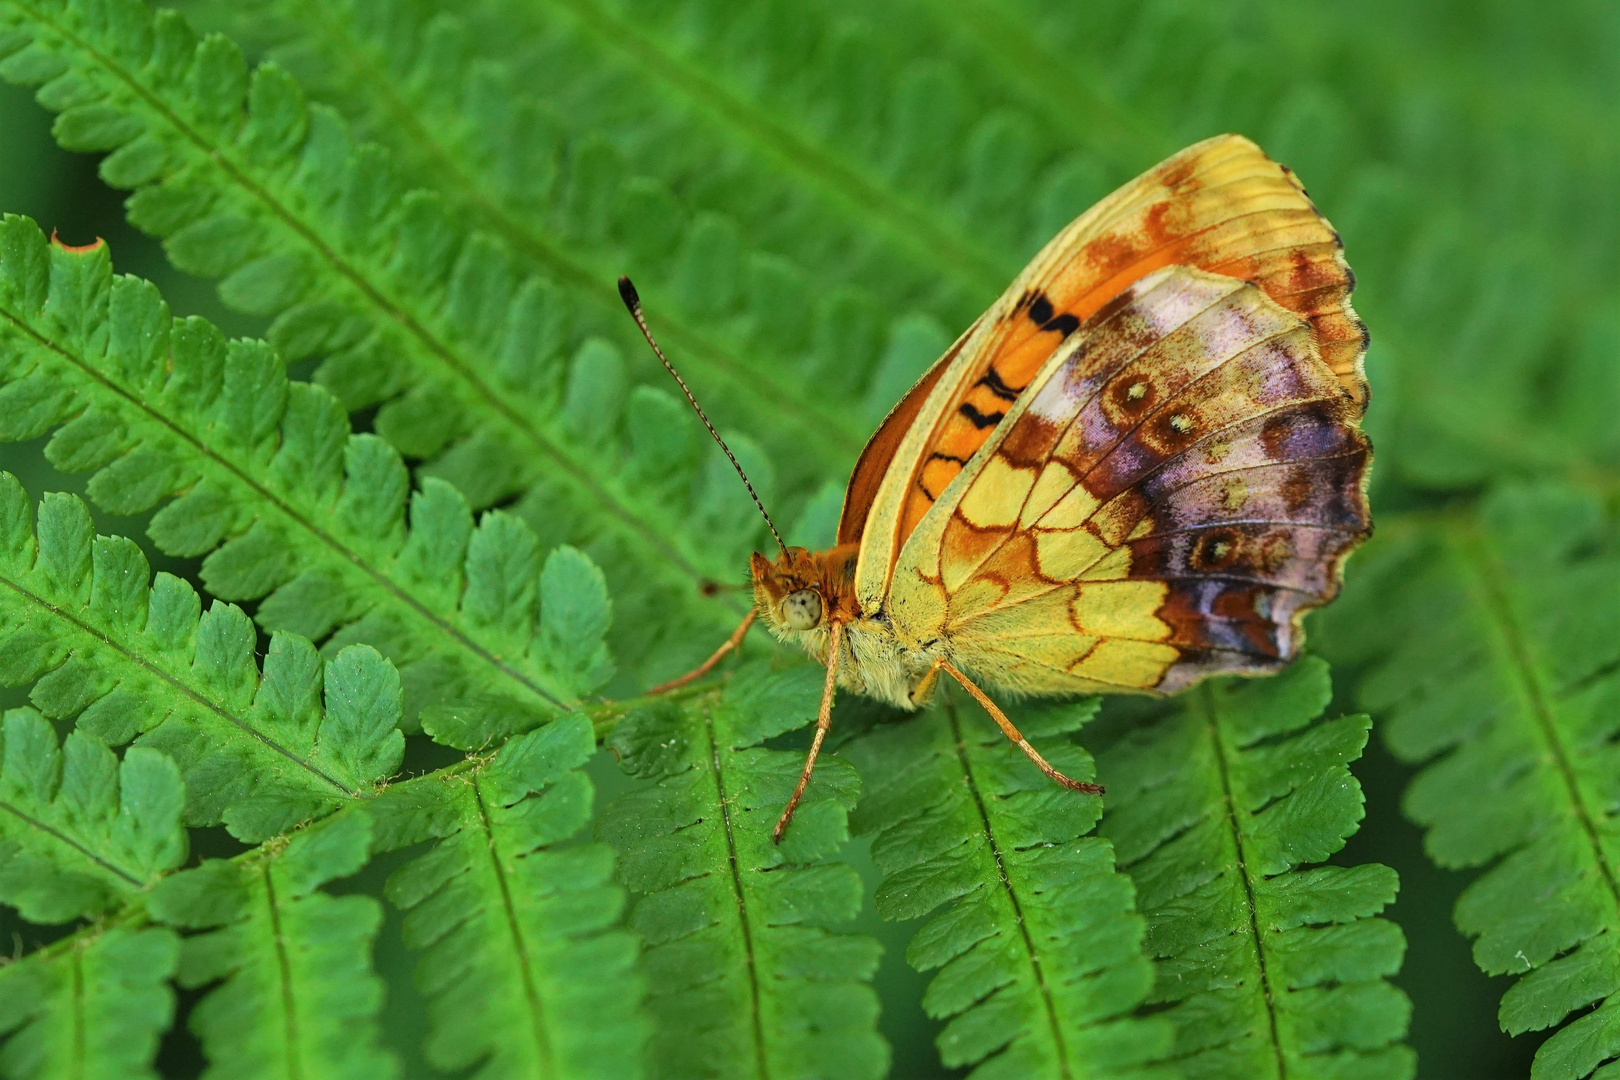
1177 486
1220 206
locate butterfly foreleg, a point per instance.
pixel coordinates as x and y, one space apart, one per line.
924 690
823 722
1012 732
707 666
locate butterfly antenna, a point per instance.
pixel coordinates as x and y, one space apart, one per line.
632 301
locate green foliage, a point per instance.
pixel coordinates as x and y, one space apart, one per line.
745 977
91 1005
1033 930
127 659
380 283
296 995
535 170
521 958
944 145
426 205
1503 681
1265 969
84 832
284 501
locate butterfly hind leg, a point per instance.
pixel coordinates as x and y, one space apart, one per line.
708 665
1010 731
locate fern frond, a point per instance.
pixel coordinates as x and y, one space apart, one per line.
747 977
93 1004
1265 969
526 970
296 994
83 832
247 182
100 639
1033 930
282 498
1494 645
471 129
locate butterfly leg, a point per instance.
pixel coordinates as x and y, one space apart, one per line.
719 654
923 692
823 722
1012 732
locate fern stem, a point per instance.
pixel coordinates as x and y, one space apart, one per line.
514 926
80 1049
960 746
1205 696
605 714
1514 643
289 1005
751 961
132 916
136 660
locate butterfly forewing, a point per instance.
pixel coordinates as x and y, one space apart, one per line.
1170 494
1220 206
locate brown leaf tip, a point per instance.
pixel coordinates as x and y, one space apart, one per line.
76 248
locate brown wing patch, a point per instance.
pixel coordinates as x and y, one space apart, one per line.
1182 485
1221 206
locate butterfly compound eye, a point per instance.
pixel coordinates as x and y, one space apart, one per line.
802 610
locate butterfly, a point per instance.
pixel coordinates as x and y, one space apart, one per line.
1138 469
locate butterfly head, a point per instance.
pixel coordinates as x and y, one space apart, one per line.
801 591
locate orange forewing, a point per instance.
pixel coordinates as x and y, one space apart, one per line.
1220 205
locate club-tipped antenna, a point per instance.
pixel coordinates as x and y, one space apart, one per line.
632 301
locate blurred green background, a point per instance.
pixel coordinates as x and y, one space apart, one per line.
1467 151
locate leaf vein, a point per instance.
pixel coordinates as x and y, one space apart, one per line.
145 665
1034 955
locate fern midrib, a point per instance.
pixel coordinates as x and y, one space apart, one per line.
941 249
1489 577
298 518
750 959
490 400
68 841
959 744
196 696
1205 696
514 927
81 1049
289 1002
828 430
